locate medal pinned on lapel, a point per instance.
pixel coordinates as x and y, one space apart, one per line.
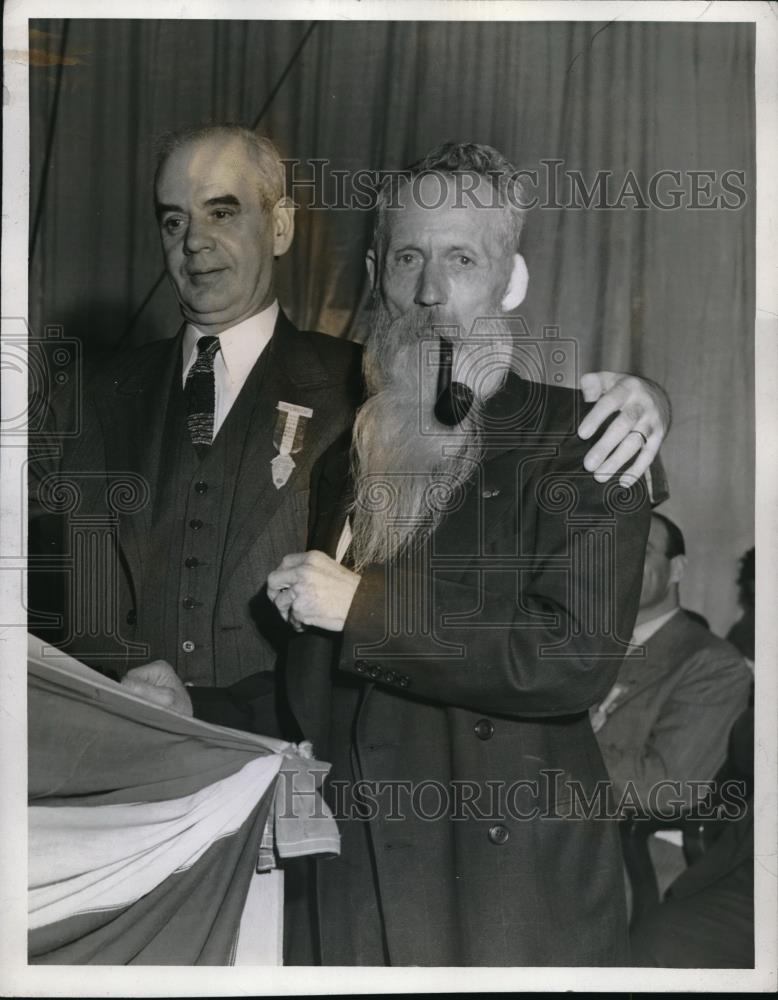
288 438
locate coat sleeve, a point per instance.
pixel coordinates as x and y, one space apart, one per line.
539 638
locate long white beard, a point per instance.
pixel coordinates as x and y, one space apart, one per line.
407 467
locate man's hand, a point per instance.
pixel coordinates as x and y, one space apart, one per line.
159 683
309 588
638 430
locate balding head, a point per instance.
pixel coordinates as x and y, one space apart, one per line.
223 220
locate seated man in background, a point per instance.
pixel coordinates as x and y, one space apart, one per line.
668 715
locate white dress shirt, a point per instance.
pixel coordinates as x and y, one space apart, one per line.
239 349
343 542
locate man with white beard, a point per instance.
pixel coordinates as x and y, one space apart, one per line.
469 593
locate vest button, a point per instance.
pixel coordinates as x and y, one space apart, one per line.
498 834
195 524
189 603
132 617
483 729
191 562
201 487
188 646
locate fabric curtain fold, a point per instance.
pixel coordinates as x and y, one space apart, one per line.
147 829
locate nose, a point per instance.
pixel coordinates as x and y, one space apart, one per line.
432 289
197 237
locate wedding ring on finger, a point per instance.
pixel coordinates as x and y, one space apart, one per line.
636 431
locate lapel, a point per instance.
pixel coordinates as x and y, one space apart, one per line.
292 373
132 408
664 651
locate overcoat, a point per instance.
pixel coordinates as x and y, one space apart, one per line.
99 476
470 791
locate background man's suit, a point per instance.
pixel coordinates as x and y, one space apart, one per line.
196 539
486 707
676 705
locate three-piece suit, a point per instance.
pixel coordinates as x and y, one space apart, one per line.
141 550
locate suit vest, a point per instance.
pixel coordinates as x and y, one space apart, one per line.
192 509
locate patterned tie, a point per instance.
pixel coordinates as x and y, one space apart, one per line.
200 392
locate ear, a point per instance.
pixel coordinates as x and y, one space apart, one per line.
283 226
517 286
677 568
371 263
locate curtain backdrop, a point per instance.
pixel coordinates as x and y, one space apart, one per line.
665 292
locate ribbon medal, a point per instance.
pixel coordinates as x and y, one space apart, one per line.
288 438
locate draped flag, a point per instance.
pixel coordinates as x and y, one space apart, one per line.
153 838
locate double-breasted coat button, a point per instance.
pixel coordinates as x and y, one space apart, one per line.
404 681
195 524
132 617
390 676
374 672
361 666
189 603
498 834
201 487
191 562
484 729
188 646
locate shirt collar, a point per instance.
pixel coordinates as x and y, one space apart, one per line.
240 345
644 631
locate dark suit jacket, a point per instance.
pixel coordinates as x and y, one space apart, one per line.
109 474
672 717
475 665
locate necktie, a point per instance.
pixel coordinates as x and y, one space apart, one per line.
200 392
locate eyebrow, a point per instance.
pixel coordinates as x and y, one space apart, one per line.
223 199
460 248
161 208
